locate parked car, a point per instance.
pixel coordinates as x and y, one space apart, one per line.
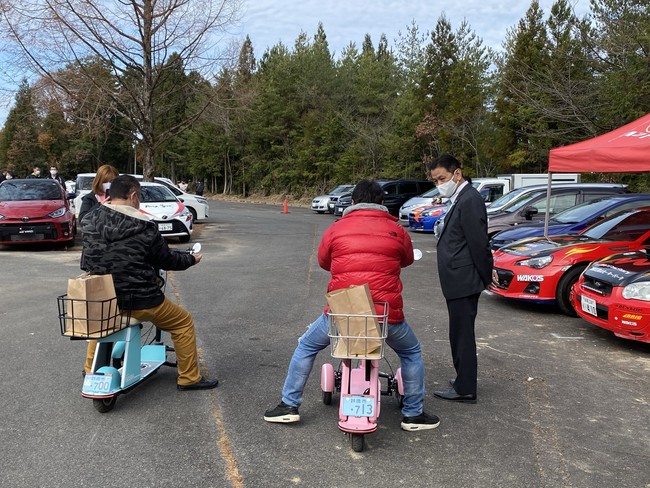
530 207
35 210
574 219
173 218
321 203
396 193
543 270
428 198
424 219
196 204
614 293
342 203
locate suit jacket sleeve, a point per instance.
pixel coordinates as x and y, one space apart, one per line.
475 231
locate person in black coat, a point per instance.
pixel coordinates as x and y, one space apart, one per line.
464 268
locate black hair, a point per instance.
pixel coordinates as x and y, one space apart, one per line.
446 161
368 191
123 185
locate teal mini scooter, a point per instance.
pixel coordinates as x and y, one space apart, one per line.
125 357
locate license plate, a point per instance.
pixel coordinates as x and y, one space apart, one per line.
588 305
97 384
164 227
358 406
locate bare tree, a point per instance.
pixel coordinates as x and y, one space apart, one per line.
135 39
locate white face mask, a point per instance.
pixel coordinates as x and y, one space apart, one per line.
448 188
106 186
53 172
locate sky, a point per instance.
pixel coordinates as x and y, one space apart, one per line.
268 22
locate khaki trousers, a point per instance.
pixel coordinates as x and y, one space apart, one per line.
178 322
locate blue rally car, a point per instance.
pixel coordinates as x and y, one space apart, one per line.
574 219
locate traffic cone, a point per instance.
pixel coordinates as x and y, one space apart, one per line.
285 207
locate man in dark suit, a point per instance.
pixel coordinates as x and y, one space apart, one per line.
464 268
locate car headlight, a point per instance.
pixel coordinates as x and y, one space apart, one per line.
434 212
537 263
637 291
202 200
2 217
57 213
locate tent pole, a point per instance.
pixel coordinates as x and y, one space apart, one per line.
548 204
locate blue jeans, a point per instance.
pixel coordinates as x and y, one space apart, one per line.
400 338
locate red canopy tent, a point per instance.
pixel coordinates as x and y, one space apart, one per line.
626 149
623 150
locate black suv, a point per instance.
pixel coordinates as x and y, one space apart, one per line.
396 193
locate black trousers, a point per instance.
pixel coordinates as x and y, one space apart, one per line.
462 315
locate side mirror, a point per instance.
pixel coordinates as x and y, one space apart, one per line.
196 248
529 212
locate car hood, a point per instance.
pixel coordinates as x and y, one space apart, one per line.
532 230
161 210
540 246
29 208
621 269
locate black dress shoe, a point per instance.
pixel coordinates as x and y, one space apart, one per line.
202 384
451 395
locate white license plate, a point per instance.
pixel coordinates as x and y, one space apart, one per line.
97 384
164 227
588 305
358 406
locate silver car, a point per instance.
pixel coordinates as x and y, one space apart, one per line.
424 200
321 203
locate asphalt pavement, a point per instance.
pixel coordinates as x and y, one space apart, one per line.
561 403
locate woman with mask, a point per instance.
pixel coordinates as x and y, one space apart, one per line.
464 268
100 189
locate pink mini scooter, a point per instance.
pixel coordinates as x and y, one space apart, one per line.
360 386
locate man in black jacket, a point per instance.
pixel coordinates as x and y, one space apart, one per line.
120 240
464 268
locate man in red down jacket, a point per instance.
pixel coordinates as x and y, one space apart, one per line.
367 245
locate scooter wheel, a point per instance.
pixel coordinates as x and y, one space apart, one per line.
327 397
103 405
357 442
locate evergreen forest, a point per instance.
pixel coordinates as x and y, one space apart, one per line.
296 120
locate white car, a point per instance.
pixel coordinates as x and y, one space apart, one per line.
320 203
195 203
174 219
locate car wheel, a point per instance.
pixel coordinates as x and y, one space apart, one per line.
562 294
193 212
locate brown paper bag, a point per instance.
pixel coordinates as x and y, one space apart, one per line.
356 333
91 306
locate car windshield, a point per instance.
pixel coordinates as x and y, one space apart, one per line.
517 203
157 194
339 190
85 182
628 225
431 193
25 190
583 211
508 197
